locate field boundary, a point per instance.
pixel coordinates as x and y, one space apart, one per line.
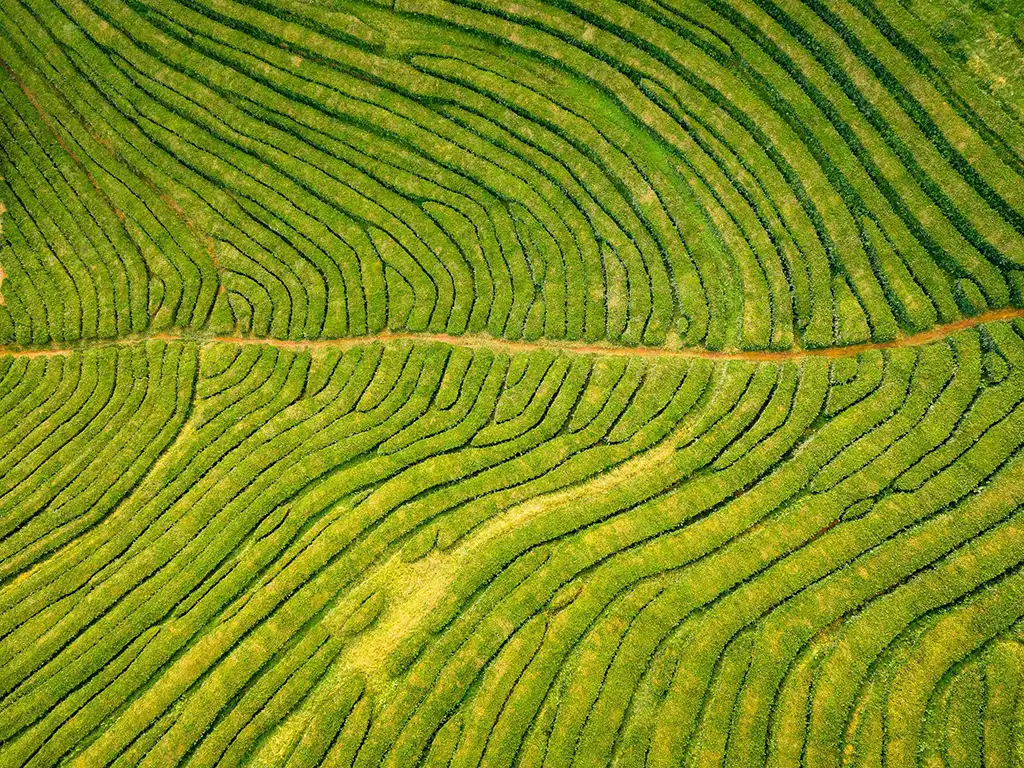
936 333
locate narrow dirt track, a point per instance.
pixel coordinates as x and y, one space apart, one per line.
605 350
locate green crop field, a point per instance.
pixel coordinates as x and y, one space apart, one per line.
512 383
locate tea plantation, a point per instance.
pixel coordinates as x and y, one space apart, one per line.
451 383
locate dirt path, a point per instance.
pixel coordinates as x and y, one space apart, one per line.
606 350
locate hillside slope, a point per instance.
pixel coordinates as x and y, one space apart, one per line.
547 383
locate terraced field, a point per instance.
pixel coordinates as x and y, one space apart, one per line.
536 383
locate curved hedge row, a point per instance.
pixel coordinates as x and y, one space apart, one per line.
413 543
727 173
416 554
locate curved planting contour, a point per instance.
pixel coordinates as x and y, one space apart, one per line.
429 383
